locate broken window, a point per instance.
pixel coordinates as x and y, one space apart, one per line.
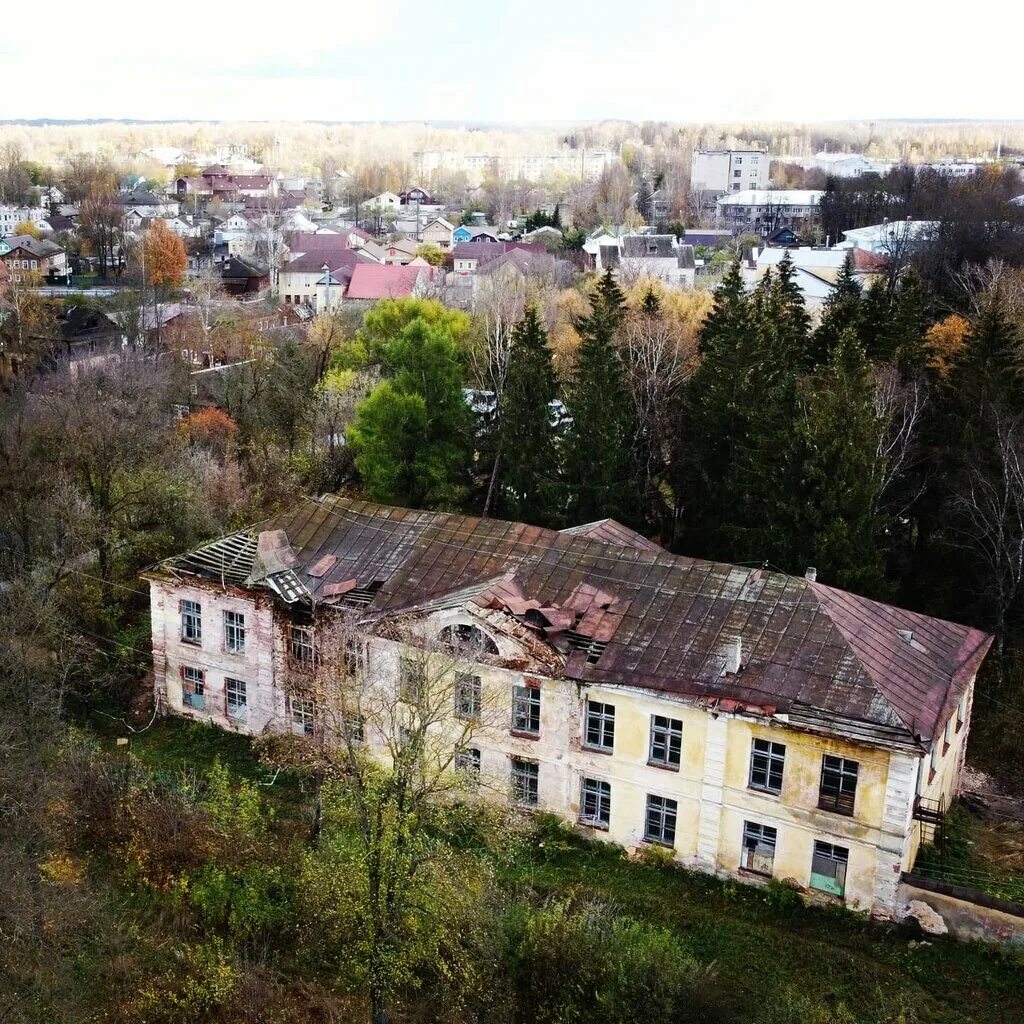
468 695
191 622
828 868
525 777
838 784
303 712
526 710
302 644
466 641
235 697
234 632
595 803
599 731
660 820
666 741
767 761
193 687
412 679
352 656
467 760
758 848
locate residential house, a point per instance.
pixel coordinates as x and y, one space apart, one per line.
400 250
417 197
764 210
12 216
238 233
26 255
468 256
300 278
142 203
240 277
814 270
729 170
892 237
475 233
385 203
651 255
438 232
745 722
370 281
545 234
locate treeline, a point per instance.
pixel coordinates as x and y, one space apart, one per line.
882 445
974 220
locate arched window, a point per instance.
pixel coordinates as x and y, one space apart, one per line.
466 641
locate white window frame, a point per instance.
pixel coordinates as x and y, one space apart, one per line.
595 803
234 631
759 841
599 726
661 817
666 736
526 709
300 644
843 775
302 712
468 693
233 707
768 758
193 687
525 781
191 613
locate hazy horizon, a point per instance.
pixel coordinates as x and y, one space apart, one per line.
541 63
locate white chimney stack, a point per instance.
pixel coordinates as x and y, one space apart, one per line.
733 656
810 574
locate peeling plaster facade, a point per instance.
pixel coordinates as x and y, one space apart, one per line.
710 785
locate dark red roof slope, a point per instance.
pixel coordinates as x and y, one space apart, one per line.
668 621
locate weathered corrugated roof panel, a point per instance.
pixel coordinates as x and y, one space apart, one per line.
666 618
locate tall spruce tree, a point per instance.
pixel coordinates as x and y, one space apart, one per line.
714 417
833 522
596 462
873 325
841 312
526 431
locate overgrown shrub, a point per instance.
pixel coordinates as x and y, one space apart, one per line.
571 963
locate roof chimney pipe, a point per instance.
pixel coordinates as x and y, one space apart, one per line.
810 574
733 656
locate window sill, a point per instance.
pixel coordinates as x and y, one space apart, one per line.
524 735
663 767
192 643
765 792
750 872
659 842
597 750
595 825
832 809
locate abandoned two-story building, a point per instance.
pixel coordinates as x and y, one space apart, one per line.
752 723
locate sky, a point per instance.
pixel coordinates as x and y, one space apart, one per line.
512 61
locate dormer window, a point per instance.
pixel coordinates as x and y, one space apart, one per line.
466 641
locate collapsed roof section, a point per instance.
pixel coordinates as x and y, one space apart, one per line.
620 609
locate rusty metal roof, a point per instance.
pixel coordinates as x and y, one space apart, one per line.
667 621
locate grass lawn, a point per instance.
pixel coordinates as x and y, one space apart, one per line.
778 962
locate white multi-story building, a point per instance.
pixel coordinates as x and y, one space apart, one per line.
12 216
766 210
729 170
749 723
